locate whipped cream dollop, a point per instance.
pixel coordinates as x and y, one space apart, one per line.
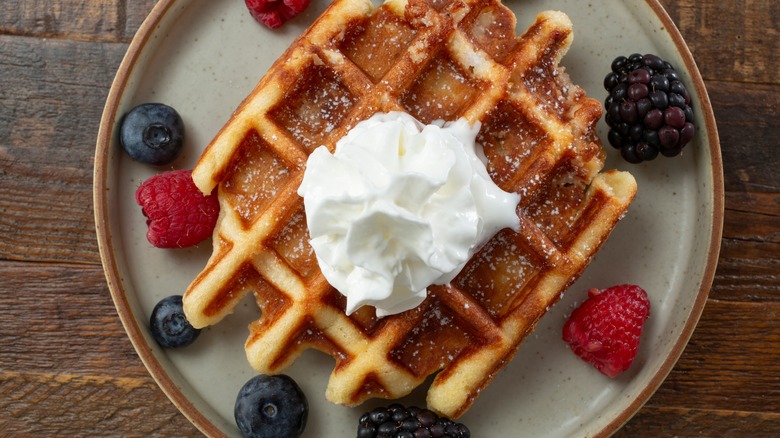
400 206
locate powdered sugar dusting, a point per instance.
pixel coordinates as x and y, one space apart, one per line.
315 107
497 273
256 178
292 243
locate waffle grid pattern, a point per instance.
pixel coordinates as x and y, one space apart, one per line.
436 61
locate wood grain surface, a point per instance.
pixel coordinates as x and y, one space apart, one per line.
68 369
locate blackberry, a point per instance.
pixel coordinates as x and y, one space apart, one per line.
397 421
648 109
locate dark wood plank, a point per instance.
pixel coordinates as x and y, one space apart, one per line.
50 109
731 363
60 318
82 20
657 421
60 404
750 250
748 119
731 40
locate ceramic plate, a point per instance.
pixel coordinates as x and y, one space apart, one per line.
204 56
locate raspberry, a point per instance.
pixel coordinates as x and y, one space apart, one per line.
648 108
273 13
178 214
605 329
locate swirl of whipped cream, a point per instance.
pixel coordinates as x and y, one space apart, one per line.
400 206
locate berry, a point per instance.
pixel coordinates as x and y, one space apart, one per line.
178 214
273 13
152 133
271 406
169 325
399 421
646 102
605 329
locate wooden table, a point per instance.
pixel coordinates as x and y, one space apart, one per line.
68 369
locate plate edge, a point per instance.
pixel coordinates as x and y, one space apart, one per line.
715 234
102 223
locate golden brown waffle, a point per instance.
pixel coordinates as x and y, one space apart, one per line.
437 60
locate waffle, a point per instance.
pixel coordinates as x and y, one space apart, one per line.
436 60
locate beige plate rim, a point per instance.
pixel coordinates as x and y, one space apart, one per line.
101 197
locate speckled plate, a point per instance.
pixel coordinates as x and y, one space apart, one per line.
204 56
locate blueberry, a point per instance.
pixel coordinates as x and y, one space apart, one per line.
271 406
169 326
152 133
